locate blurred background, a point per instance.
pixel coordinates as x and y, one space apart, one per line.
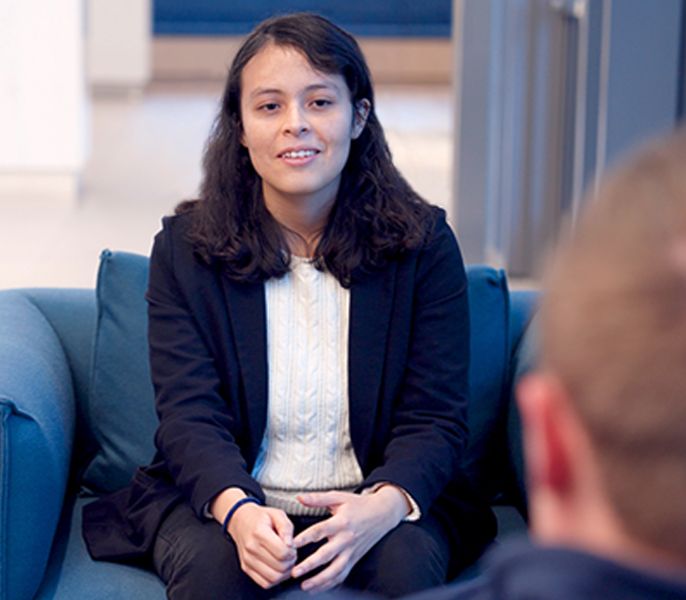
501 111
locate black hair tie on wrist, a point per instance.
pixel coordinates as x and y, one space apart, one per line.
235 507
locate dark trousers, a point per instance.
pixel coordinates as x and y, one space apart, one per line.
196 560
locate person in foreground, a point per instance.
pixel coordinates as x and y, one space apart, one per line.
604 413
309 349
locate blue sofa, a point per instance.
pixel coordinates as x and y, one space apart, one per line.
77 416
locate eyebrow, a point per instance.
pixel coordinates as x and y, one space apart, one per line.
310 88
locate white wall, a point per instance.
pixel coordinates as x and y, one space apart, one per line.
118 43
43 104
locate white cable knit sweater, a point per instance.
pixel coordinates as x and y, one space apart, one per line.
306 446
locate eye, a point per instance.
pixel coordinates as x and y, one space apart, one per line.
321 102
268 107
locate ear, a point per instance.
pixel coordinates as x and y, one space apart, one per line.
548 440
361 112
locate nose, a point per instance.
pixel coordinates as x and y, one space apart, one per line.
296 122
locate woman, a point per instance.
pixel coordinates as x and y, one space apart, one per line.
309 342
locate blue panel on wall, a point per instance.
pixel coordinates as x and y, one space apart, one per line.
681 102
643 88
428 18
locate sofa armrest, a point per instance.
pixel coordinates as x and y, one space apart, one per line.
524 359
37 420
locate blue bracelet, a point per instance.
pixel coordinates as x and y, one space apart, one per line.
235 507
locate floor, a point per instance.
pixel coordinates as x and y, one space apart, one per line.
145 157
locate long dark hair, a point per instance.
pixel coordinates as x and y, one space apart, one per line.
376 216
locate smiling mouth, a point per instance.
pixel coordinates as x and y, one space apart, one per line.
298 153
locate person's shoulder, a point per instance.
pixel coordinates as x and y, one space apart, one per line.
439 244
473 590
181 221
176 227
477 589
438 228
173 243
341 594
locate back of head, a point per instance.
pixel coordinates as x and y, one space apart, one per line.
614 332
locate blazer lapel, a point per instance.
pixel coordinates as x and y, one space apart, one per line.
247 311
371 301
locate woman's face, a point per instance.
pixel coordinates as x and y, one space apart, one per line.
297 126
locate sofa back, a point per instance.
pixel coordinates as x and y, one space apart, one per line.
71 314
116 396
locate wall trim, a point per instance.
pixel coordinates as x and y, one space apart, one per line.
391 60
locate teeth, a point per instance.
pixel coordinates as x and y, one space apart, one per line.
299 154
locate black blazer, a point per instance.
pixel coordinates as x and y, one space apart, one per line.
408 370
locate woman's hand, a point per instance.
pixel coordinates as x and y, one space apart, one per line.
357 522
264 538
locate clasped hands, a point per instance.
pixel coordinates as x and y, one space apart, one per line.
268 551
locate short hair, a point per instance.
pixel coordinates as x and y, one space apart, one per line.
614 332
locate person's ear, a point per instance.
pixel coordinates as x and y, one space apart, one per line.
361 113
543 405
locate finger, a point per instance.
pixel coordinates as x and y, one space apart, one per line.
258 579
315 533
330 577
266 555
323 499
283 526
270 543
280 566
263 575
255 559
325 554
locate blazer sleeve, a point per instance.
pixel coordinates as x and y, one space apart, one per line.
428 431
196 424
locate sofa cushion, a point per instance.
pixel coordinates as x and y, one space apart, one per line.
489 314
72 574
120 409
121 400
524 360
